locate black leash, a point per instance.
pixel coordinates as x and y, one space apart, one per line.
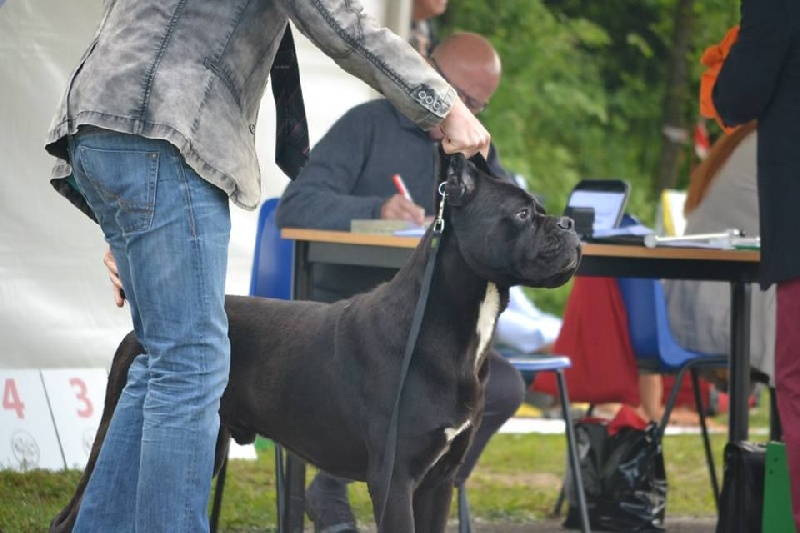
391 437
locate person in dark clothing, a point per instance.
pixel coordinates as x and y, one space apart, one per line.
423 28
760 79
349 176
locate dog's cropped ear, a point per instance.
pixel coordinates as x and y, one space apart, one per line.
479 161
460 181
444 164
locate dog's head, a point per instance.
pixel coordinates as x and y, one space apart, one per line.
503 233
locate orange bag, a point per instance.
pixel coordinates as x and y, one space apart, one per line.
713 58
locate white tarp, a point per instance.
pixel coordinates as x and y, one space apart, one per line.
56 307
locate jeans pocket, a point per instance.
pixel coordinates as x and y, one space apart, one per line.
124 182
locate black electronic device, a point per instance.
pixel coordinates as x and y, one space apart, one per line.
583 217
606 197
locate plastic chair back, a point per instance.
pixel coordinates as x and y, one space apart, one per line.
651 338
271 276
638 296
648 324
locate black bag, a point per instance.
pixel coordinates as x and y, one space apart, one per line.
742 499
623 477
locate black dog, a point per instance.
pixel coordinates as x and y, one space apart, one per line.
321 379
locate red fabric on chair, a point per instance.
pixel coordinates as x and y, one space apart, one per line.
594 335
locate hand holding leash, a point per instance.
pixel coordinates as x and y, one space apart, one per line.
462 132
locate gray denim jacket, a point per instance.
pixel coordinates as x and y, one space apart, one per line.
193 72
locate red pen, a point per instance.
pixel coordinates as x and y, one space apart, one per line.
400 185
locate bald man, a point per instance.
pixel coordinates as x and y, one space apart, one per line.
349 176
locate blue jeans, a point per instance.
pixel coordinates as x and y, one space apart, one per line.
169 232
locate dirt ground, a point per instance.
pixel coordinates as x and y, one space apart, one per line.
674 525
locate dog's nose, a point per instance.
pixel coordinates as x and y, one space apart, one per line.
565 223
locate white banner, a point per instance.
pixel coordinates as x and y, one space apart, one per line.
56 305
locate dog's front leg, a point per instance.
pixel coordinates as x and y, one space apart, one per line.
398 516
432 506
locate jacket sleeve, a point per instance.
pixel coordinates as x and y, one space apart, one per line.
374 54
321 196
749 74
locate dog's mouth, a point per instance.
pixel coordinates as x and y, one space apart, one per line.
569 269
575 261
563 274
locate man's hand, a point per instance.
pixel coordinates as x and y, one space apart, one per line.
113 275
399 208
464 133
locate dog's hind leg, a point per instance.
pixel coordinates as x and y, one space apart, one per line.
117 377
432 507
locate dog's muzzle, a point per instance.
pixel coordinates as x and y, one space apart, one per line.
565 223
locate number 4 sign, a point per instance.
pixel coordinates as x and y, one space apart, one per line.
76 401
27 437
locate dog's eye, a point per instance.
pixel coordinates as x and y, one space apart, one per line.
523 214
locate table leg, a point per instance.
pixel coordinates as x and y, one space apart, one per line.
301 272
739 362
295 473
295 482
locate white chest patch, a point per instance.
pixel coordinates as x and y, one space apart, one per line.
487 316
449 435
452 433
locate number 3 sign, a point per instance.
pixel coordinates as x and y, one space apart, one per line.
27 437
76 401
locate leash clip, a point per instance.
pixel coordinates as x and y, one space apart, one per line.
438 224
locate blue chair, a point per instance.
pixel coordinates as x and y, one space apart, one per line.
271 277
272 262
529 366
651 339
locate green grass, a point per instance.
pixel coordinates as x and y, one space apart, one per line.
517 480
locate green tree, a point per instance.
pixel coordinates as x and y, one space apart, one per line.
583 90
549 100
550 89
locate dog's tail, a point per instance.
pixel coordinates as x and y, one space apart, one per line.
127 351
117 377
